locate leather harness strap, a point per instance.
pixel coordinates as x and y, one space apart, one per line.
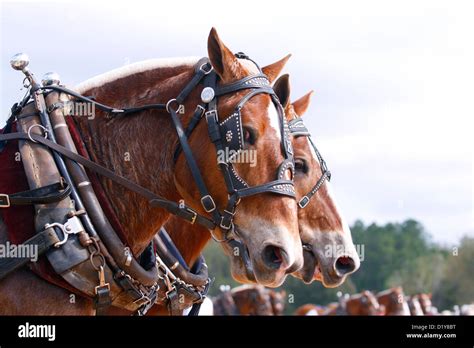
43 195
42 241
226 134
298 128
155 200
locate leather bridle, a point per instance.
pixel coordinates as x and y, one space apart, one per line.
227 135
298 128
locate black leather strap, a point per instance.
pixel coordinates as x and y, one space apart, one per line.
175 208
297 128
43 195
42 241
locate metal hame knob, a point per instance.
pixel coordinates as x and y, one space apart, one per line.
20 61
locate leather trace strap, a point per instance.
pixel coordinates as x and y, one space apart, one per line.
298 128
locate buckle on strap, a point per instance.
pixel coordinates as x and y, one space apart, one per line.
303 202
143 300
208 203
228 217
4 200
188 214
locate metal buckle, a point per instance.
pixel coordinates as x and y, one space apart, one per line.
4 200
99 287
146 300
72 226
206 71
193 220
226 227
211 113
303 202
172 289
208 199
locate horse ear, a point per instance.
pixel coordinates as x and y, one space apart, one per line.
301 105
222 59
273 70
282 90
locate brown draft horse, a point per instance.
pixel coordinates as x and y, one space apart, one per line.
317 221
394 301
320 222
414 305
364 303
426 304
141 148
309 310
250 300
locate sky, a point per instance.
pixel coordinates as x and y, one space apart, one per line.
392 110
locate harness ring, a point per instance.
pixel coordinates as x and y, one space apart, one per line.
40 126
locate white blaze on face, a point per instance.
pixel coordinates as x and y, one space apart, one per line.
274 121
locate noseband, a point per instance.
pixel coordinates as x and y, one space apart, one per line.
298 128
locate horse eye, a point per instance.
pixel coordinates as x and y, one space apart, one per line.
301 165
250 135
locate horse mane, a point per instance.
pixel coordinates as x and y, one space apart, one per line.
133 69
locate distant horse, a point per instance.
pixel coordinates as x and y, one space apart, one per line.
267 224
252 300
426 304
364 303
309 310
224 303
249 300
414 305
394 301
277 300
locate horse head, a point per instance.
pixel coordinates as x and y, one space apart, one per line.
329 253
265 223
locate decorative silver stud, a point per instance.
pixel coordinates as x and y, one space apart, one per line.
228 136
207 95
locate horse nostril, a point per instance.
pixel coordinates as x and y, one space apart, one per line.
344 265
273 256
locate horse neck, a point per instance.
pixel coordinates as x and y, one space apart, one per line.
139 146
189 239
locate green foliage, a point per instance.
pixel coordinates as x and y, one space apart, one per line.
457 285
393 254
